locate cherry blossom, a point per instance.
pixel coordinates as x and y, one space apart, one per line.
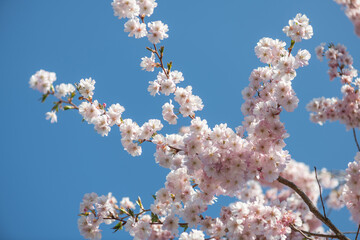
273 195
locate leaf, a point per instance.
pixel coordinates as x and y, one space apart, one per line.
154 218
138 202
117 227
72 95
84 214
169 66
56 106
184 225
292 43
154 197
44 96
123 211
131 212
67 107
151 50
161 50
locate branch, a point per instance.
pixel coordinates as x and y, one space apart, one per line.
313 208
357 233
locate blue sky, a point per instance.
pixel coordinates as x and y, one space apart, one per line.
45 169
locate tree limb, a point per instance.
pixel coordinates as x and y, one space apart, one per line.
313 208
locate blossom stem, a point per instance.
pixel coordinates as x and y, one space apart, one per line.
291 46
313 208
357 233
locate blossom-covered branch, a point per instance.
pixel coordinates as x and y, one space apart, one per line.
206 162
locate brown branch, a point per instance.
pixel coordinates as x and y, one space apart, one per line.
356 141
321 198
61 101
313 208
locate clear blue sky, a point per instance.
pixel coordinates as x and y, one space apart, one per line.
46 168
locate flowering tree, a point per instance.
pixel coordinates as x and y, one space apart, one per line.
276 197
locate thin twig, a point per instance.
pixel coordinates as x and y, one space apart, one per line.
349 232
160 57
313 208
356 141
321 198
300 231
357 233
315 234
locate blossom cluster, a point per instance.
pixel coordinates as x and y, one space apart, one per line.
133 8
166 83
345 110
95 210
42 81
188 102
351 191
135 26
64 90
255 219
270 91
132 135
299 28
352 11
95 113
